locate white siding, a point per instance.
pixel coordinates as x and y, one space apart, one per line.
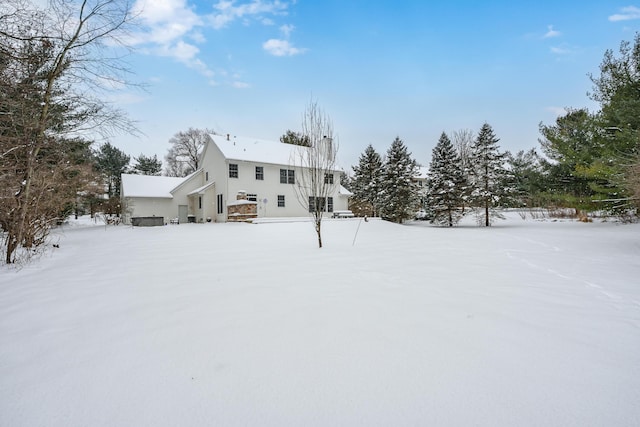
149 206
215 167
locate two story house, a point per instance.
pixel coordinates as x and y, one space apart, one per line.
262 172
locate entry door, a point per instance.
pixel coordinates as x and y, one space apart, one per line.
182 214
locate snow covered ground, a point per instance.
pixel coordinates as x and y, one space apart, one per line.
527 323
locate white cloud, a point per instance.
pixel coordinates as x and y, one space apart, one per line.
287 30
278 47
173 28
561 50
164 22
122 98
181 51
628 13
228 11
551 32
241 85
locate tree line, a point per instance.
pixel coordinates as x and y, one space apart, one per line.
590 162
471 176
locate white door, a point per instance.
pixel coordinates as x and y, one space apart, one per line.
182 214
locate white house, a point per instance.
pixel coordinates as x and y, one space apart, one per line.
262 170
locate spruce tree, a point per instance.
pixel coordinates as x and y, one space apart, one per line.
399 189
446 184
367 181
487 175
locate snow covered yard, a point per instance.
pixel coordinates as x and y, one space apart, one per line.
527 323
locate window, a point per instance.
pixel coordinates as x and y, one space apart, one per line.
219 203
199 202
317 203
259 173
252 197
233 170
329 204
280 201
206 176
287 176
328 178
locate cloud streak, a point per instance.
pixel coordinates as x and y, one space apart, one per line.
627 14
278 47
227 11
551 33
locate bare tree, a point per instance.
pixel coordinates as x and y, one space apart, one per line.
55 64
463 141
315 164
184 154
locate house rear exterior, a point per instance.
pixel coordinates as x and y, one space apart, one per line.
229 166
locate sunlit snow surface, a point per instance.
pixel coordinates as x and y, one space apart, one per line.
527 323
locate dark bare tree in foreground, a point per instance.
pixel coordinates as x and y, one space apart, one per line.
315 165
55 64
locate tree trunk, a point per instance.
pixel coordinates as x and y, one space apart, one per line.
486 213
318 224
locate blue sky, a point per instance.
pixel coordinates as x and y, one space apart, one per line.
380 69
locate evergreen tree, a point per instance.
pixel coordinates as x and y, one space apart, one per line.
527 178
399 190
147 165
446 184
295 138
112 163
346 180
487 175
367 182
573 146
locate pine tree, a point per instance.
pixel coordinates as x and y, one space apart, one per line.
112 162
147 165
399 190
487 175
446 184
295 138
367 181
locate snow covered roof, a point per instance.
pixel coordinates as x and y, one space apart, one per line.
257 150
423 172
344 191
186 179
202 189
149 186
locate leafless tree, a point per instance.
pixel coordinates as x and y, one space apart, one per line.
462 141
184 154
55 64
315 165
